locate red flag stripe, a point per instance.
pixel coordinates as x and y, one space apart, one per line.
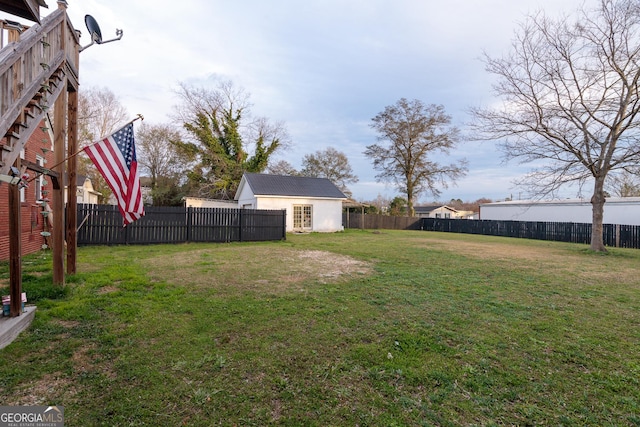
106 163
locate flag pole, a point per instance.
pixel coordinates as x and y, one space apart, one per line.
139 117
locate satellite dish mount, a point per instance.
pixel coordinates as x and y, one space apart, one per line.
96 34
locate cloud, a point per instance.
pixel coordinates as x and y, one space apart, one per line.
324 68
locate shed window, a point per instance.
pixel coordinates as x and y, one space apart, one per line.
302 216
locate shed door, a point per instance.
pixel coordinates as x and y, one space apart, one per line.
302 217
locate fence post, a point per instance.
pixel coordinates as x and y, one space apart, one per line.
240 218
284 224
189 223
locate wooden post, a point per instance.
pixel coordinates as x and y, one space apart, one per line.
57 233
72 199
15 249
15 223
59 126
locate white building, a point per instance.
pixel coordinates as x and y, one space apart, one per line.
618 210
435 211
442 211
199 202
84 190
312 204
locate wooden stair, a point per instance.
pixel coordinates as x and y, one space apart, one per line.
29 119
33 73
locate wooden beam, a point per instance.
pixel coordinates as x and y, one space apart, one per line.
57 232
55 176
40 169
72 200
15 249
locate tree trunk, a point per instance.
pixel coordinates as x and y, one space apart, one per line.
597 203
410 209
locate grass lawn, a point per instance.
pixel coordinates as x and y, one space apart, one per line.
361 328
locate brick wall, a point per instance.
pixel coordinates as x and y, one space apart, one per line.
33 222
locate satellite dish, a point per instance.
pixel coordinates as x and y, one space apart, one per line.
95 33
94 29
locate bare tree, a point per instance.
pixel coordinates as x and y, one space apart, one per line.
410 133
282 167
331 164
155 153
99 114
159 160
199 100
624 184
380 204
570 100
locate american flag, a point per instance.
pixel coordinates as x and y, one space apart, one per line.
115 158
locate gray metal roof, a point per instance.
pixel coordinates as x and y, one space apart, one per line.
301 186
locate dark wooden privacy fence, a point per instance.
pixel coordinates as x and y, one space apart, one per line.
623 236
385 222
102 225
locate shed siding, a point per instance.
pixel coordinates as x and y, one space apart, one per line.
327 214
246 198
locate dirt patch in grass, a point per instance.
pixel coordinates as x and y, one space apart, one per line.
50 388
67 324
257 268
587 268
494 250
107 290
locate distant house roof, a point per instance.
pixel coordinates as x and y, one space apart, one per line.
431 208
80 179
298 186
350 203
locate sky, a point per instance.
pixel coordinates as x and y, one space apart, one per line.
323 67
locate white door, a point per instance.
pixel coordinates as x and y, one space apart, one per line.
302 217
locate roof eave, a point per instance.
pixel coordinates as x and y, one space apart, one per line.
27 9
287 196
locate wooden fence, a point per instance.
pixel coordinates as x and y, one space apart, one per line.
622 236
102 225
374 222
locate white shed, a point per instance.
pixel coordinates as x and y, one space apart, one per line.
312 204
617 210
